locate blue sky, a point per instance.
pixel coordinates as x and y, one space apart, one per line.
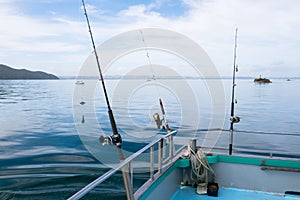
51 35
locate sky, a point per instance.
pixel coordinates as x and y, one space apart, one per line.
52 35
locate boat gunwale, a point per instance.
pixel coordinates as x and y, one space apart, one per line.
255 160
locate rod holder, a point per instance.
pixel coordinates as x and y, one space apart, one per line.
193 144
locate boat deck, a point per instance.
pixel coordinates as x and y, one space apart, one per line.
187 192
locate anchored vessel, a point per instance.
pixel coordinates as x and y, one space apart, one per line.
262 80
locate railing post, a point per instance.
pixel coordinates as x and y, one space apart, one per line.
131 174
163 147
127 181
160 143
152 162
171 148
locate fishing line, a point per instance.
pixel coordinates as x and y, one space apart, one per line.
240 131
155 116
268 133
150 63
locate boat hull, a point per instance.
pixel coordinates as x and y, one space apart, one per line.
236 174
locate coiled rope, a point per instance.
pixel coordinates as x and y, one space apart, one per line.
200 167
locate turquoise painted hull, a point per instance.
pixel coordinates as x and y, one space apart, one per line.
238 177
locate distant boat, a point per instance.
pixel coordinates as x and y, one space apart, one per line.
79 83
288 79
262 80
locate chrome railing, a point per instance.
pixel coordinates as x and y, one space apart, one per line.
162 162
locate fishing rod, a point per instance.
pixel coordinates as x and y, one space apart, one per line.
156 115
164 115
116 138
233 119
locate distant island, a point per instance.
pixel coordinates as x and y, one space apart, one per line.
10 73
262 80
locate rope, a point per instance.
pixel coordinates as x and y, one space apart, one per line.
200 167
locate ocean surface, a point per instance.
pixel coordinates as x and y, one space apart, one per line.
45 151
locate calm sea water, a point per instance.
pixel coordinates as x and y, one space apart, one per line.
43 156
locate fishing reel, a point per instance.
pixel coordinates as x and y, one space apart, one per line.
157 120
235 119
114 139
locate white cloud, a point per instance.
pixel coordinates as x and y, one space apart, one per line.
268 32
142 15
32 42
92 10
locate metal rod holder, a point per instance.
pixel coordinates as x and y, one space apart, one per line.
193 144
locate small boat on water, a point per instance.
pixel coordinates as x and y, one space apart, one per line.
79 83
262 80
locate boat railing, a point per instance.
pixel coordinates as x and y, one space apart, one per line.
254 152
157 167
263 151
161 162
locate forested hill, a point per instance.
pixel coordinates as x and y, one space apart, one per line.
7 72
